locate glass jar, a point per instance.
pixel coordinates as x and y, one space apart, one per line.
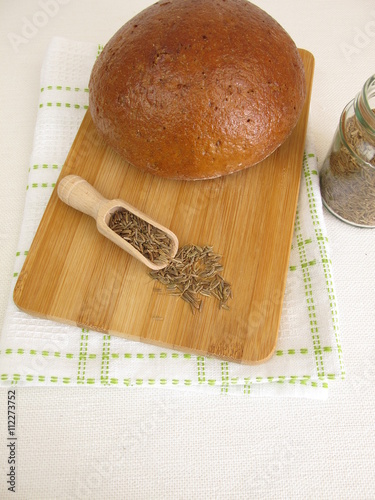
347 177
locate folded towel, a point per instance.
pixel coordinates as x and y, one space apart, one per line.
41 352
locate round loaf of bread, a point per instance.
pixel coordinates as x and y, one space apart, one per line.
196 89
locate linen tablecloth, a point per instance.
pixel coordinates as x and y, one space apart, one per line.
34 351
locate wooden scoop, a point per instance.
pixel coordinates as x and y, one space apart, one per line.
79 194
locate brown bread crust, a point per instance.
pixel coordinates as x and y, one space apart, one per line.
195 89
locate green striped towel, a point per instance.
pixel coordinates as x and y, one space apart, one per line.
40 352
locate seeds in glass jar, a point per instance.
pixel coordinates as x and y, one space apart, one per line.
194 273
348 186
150 241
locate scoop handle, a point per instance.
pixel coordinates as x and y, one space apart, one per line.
79 194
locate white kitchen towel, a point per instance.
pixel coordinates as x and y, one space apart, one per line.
40 352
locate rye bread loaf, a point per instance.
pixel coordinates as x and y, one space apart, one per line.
195 89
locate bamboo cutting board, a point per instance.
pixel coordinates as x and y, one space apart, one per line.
74 275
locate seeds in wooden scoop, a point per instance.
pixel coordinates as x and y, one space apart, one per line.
193 273
150 241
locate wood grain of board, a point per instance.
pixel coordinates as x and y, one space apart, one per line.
74 275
